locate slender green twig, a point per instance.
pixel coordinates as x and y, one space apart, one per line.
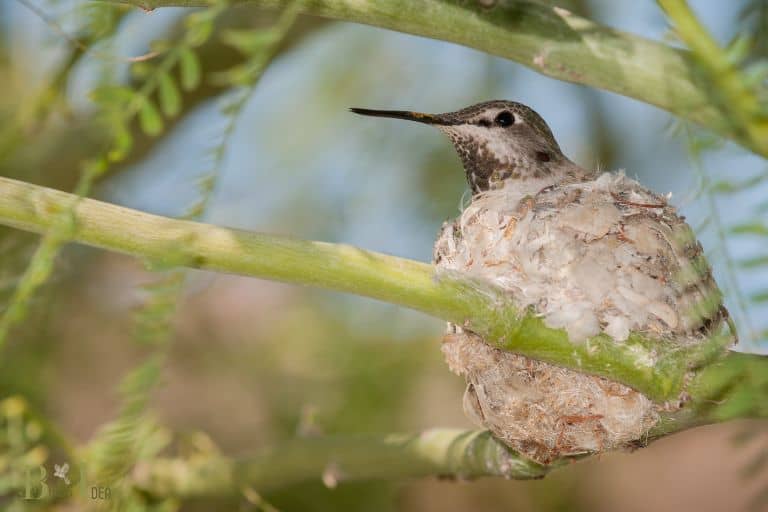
442 453
548 39
449 453
656 368
75 42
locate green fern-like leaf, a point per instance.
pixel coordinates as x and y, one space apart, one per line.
115 450
118 107
150 119
170 98
189 67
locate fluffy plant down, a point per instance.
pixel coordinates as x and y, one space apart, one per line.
605 255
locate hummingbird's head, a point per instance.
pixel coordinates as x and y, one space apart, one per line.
496 140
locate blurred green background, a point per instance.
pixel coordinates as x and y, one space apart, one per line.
253 362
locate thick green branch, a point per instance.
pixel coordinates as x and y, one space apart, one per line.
440 452
655 368
547 39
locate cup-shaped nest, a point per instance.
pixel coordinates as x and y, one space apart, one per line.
605 255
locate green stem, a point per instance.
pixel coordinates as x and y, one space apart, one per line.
549 40
448 453
650 366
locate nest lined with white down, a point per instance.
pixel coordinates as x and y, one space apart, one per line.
605 255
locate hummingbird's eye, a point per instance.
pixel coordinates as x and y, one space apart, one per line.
505 118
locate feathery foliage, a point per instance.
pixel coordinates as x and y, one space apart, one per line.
119 106
116 449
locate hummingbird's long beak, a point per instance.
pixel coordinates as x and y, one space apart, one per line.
401 114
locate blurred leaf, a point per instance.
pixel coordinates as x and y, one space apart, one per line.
94 167
170 99
99 19
123 141
738 49
149 118
248 41
750 228
236 76
189 67
757 261
200 26
112 96
199 34
729 187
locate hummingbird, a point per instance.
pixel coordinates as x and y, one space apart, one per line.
498 142
589 253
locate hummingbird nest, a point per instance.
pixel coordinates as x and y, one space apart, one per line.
588 255
602 255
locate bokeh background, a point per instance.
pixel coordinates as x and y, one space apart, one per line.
253 362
